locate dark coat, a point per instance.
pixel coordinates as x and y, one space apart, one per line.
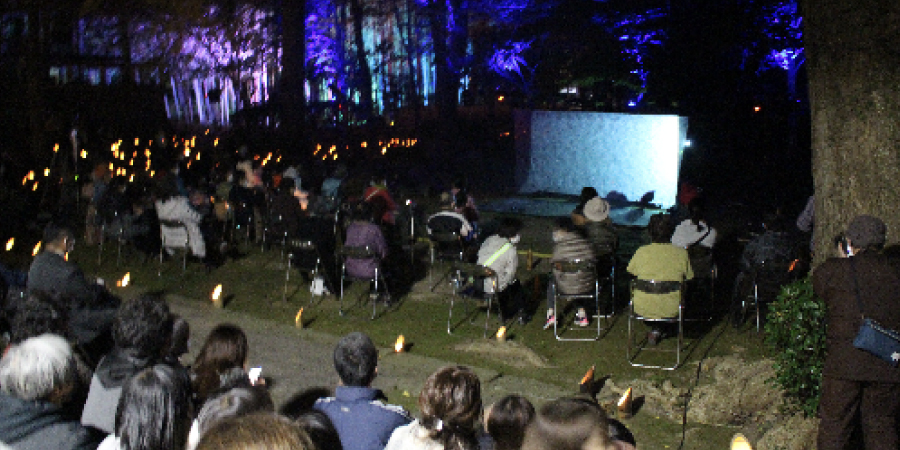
50 272
879 285
38 425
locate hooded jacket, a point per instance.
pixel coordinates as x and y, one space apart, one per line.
39 425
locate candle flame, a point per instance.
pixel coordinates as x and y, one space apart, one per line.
55 148
37 248
216 142
10 243
217 292
398 346
47 172
136 141
501 332
125 280
588 376
31 175
299 318
34 188
83 154
740 442
625 400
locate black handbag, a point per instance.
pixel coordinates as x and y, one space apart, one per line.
872 337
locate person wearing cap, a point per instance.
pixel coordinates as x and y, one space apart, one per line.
858 389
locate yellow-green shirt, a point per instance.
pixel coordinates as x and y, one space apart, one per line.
659 262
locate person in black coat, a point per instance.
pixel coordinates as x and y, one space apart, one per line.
858 389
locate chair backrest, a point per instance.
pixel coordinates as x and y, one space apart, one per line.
657 287
474 270
445 237
575 266
770 276
174 233
353 252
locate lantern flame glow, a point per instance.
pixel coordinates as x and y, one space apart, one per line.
10 243
37 248
217 293
399 345
298 320
125 280
501 333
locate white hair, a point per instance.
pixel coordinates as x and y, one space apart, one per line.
36 367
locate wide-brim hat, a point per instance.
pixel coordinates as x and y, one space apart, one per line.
596 209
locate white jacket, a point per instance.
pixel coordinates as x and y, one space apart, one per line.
505 264
178 208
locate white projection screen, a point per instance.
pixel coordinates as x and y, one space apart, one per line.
563 151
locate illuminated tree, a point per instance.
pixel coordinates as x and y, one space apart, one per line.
854 71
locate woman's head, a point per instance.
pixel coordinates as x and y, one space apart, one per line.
165 187
506 421
320 429
225 348
154 411
262 431
660 228
587 193
509 227
568 424
235 402
450 403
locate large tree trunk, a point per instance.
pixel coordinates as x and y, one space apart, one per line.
293 74
363 71
854 74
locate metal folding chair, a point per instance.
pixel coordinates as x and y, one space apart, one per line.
350 252
113 229
575 267
655 287
175 236
444 245
462 272
296 247
768 277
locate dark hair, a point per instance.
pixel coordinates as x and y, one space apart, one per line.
225 348
506 421
54 232
181 336
144 326
587 193
363 212
355 359
660 228
509 227
154 411
565 223
320 429
234 402
697 209
462 198
165 187
450 403
566 424
40 313
256 431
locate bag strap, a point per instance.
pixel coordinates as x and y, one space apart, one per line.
497 254
697 242
862 315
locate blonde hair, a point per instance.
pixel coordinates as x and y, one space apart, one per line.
263 431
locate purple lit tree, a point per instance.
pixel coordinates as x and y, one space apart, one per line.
782 27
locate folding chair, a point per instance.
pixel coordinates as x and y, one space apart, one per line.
462 272
349 252
574 268
445 245
299 247
114 229
175 236
704 282
655 287
768 277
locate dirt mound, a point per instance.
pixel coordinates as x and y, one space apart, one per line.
510 353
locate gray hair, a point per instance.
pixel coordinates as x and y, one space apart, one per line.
35 368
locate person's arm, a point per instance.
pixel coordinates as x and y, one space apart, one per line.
379 242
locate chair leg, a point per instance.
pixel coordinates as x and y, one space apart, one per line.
343 274
487 317
375 300
287 277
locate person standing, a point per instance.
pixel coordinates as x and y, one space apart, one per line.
858 389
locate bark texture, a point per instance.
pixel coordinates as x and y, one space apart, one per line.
854 81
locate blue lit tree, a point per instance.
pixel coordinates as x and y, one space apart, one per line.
782 28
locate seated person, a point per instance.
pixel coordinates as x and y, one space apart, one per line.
506 421
285 212
170 205
362 420
459 185
571 423
600 229
499 253
697 237
659 261
383 204
774 245
37 376
91 306
141 334
569 243
332 187
587 193
363 232
447 220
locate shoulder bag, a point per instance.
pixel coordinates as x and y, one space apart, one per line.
872 337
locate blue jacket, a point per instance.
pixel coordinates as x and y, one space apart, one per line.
363 422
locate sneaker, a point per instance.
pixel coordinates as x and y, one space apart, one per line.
582 321
654 337
550 322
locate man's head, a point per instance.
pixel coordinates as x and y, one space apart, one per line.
660 228
39 368
509 227
866 232
355 359
596 210
40 313
143 327
568 424
58 238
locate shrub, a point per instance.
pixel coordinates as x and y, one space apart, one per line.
795 331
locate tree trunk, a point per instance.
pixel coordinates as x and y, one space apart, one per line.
363 71
293 75
854 71
445 82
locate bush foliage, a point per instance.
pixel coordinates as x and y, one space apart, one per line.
795 330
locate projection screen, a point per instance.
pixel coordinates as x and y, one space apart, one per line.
563 151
